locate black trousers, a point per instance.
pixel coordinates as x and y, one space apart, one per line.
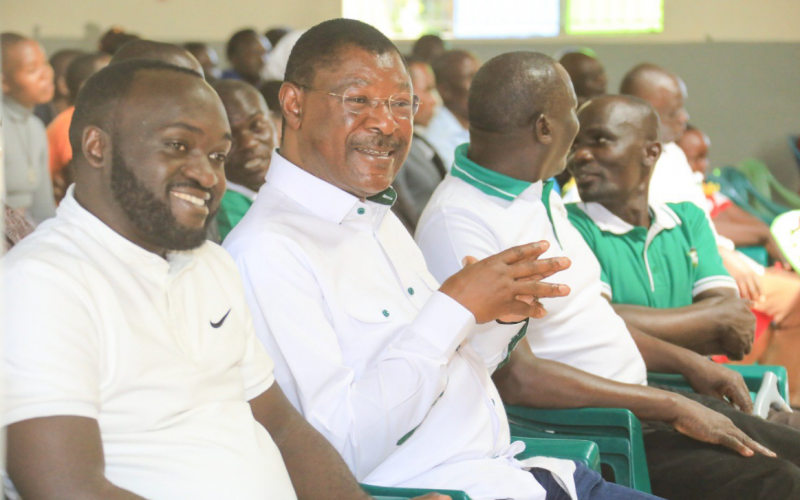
682 468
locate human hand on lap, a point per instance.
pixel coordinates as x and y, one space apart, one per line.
713 379
706 425
507 285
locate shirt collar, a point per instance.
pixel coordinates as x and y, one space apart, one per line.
663 218
242 190
137 258
17 111
490 182
316 195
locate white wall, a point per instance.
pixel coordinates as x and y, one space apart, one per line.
215 20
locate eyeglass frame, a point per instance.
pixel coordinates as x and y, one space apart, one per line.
415 101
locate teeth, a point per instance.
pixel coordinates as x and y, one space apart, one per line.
373 152
200 202
253 163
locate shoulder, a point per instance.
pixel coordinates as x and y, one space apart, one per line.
686 211
579 218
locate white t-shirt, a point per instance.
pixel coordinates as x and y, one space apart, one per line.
98 327
581 330
383 365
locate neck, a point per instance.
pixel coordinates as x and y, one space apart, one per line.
632 209
26 105
111 214
507 154
463 120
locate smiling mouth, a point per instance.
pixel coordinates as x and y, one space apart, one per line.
200 202
255 162
372 152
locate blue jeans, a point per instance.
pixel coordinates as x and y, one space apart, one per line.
589 485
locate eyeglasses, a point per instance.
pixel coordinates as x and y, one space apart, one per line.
403 105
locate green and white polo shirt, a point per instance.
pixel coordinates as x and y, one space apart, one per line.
663 266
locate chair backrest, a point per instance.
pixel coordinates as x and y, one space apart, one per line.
765 183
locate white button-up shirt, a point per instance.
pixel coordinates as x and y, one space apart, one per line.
446 133
387 368
478 212
162 353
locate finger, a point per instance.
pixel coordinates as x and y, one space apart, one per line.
757 447
538 269
522 252
468 261
539 289
533 310
740 396
735 444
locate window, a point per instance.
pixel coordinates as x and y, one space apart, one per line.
614 16
480 19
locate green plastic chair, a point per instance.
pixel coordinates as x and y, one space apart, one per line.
758 254
735 185
582 451
794 148
617 433
752 374
765 183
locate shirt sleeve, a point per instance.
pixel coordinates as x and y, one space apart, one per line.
364 411
445 240
710 271
52 349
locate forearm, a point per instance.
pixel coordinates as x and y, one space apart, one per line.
741 228
694 327
661 356
540 383
315 468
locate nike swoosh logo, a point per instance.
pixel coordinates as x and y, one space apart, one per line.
219 323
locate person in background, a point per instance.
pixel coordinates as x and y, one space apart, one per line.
254 138
207 57
79 71
274 35
60 61
428 48
278 57
158 51
449 127
113 39
423 169
270 90
247 53
27 82
589 79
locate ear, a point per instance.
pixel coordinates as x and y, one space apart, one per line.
291 97
543 129
96 145
652 151
61 86
6 86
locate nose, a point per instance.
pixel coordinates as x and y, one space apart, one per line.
202 169
380 119
578 156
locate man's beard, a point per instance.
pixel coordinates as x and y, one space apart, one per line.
152 217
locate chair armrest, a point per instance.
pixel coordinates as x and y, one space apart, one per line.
752 374
387 493
577 450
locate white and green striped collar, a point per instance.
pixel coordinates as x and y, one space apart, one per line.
488 181
663 218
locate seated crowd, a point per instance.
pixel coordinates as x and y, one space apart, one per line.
376 319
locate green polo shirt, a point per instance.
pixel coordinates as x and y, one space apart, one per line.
664 266
232 208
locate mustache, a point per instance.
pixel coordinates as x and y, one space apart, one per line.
380 142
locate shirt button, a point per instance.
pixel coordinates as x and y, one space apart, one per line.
386 313
411 291
361 211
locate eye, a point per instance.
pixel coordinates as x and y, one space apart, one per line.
218 157
177 146
357 99
401 103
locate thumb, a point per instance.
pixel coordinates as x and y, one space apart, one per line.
468 261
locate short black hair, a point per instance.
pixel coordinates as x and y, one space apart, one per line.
238 39
274 35
103 94
79 70
271 91
511 90
321 45
446 66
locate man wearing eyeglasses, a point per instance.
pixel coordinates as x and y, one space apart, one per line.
387 364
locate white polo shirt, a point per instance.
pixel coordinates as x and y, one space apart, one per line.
478 212
98 327
387 368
